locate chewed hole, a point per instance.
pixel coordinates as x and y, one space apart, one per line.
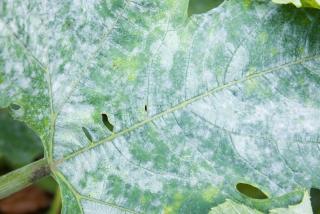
15 107
202 6
315 200
251 191
106 122
87 133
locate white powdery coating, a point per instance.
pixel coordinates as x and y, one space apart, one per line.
73 113
220 109
296 119
285 118
22 79
247 147
238 65
105 159
97 208
3 28
68 132
168 49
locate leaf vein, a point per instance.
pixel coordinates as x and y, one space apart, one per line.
188 102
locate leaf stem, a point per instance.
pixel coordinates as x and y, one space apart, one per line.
56 203
23 177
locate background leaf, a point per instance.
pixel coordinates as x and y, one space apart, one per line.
18 144
196 6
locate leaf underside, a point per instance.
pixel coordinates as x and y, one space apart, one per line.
196 104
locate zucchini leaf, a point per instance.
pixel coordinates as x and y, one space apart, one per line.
143 109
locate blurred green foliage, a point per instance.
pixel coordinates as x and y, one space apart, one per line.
201 6
315 200
19 145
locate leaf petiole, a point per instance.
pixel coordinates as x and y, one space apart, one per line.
23 177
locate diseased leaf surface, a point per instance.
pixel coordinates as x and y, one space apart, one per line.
196 105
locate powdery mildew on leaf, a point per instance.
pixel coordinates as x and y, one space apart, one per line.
231 96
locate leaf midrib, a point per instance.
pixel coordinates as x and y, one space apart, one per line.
184 104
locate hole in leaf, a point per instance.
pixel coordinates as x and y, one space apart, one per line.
315 200
202 6
87 133
14 106
145 107
251 191
106 122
